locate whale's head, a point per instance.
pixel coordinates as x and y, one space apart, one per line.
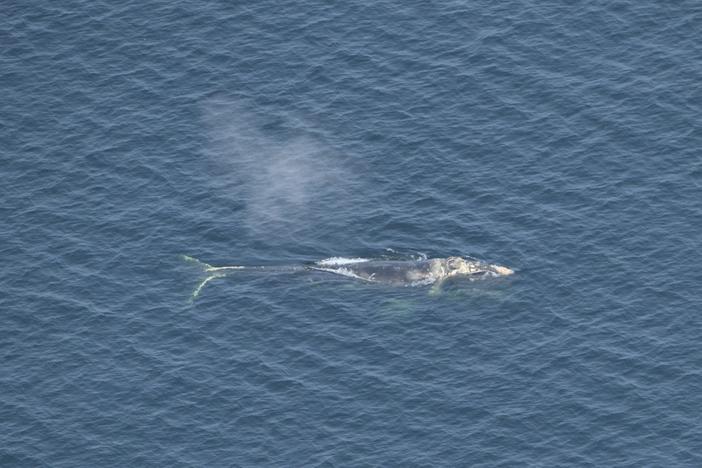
462 266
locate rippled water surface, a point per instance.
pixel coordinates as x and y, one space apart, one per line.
560 140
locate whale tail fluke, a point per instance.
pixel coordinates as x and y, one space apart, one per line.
211 272
194 261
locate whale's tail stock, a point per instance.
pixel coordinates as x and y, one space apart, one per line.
210 273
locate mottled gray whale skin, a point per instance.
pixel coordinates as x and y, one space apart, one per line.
411 272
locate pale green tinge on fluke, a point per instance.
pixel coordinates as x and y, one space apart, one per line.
212 273
202 284
195 261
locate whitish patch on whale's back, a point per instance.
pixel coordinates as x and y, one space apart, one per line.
335 261
344 272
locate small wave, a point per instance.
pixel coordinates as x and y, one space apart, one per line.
341 261
406 255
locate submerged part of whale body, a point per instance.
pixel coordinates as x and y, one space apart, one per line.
394 272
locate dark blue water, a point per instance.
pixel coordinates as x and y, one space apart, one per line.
562 141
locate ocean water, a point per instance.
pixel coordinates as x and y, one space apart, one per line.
561 140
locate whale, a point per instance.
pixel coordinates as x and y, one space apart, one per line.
414 272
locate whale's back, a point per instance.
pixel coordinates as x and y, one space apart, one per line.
403 273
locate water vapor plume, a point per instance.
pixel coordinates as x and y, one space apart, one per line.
276 169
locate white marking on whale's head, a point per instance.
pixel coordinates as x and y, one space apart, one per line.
334 261
501 270
461 266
